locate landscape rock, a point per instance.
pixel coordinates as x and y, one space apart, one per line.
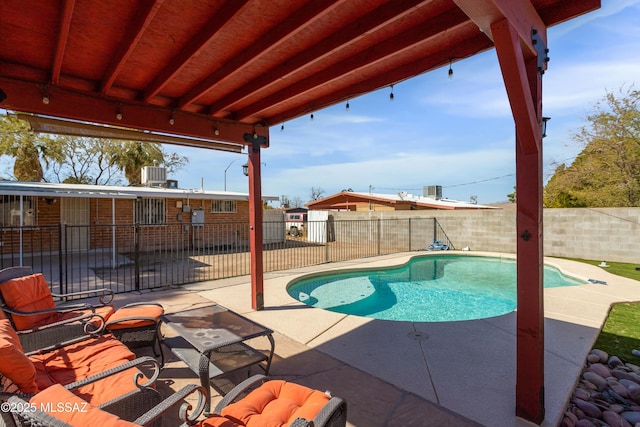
608 394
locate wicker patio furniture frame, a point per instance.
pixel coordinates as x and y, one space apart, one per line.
128 406
85 323
333 414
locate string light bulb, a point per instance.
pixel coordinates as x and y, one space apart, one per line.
282 127
450 69
311 117
172 119
255 134
45 99
216 130
347 106
119 114
391 96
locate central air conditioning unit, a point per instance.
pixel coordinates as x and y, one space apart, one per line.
154 175
432 191
171 183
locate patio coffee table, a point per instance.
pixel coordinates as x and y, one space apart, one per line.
211 342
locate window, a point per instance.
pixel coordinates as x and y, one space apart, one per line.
223 206
150 211
10 211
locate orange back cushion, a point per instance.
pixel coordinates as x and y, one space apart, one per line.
14 365
276 403
28 293
66 406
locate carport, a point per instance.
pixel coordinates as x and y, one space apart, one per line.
219 74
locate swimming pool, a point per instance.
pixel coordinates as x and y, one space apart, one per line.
438 288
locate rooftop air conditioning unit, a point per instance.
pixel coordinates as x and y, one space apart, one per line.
432 191
154 175
171 183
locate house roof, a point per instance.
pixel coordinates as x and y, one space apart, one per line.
345 199
47 189
226 70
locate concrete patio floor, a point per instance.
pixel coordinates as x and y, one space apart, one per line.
410 373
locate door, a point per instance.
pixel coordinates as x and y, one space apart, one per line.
75 215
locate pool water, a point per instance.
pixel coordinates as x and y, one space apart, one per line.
427 289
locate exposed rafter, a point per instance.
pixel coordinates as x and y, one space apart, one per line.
63 35
194 47
476 44
134 33
284 31
323 48
419 34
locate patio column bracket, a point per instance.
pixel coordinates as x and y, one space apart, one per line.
542 52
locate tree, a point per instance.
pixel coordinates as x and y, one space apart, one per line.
16 140
316 193
284 201
607 170
297 202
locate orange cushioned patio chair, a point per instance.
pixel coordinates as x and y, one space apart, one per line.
274 403
27 300
100 370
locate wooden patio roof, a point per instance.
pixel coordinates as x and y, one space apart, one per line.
224 71
215 70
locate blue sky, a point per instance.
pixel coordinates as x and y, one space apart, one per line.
455 133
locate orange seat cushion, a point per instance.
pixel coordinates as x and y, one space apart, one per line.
81 360
276 403
14 365
217 421
149 311
64 405
28 293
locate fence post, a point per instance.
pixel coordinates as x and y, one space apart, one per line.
65 234
379 224
60 255
327 235
136 251
435 229
409 234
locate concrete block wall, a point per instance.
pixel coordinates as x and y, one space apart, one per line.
611 234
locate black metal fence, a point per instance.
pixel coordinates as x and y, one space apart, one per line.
137 257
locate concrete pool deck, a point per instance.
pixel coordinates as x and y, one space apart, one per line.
416 373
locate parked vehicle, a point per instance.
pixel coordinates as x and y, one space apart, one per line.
295 223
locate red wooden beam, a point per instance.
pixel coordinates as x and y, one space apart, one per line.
297 21
255 228
85 106
392 46
134 33
351 33
520 14
512 63
63 34
217 22
372 82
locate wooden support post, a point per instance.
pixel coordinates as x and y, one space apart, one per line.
523 80
255 228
